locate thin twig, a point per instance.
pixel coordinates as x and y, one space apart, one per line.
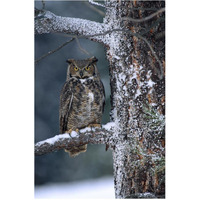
97 4
95 9
53 51
161 73
81 48
43 5
157 22
145 18
95 37
141 8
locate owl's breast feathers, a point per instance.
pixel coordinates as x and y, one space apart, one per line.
81 103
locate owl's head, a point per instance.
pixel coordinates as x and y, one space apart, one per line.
82 69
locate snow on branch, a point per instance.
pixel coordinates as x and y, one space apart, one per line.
48 22
97 4
93 7
87 135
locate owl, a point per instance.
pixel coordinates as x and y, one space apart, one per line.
82 99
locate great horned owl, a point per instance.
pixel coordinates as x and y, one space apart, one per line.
82 99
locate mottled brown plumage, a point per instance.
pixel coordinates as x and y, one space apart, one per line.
82 99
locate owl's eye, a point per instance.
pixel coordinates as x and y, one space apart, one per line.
87 68
76 69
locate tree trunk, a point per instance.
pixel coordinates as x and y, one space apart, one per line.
137 88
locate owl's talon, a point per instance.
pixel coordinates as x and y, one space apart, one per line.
95 125
69 132
77 130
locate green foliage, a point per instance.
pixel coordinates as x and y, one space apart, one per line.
154 120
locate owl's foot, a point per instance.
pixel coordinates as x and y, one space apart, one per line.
68 131
95 125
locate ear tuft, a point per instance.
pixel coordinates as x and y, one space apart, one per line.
93 59
69 61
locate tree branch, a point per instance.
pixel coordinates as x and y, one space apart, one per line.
47 22
53 51
43 4
95 9
81 48
66 141
97 4
160 73
145 18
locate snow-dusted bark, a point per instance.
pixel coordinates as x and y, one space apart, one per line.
137 90
85 136
48 22
137 105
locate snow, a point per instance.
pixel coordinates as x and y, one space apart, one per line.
70 25
138 93
150 83
122 77
95 3
54 139
74 134
109 125
94 189
87 129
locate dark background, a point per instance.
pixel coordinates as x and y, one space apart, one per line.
50 75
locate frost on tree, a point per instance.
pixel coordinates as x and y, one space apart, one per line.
133 33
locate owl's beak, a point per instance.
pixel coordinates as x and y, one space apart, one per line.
81 73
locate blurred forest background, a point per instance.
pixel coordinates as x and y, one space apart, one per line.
50 75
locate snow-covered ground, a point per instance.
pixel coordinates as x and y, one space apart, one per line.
96 188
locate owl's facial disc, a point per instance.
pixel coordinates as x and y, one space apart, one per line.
82 69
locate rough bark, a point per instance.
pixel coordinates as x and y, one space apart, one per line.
136 55
48 22
137 93
66 141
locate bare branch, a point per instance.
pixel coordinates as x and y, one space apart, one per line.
156 23
95 9
100 34
47 22
160 73
43 4
96 4
146 18
65 141
53 51
81 48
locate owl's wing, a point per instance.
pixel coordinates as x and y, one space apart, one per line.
103 92
66 98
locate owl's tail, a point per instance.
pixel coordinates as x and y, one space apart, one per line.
75 151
